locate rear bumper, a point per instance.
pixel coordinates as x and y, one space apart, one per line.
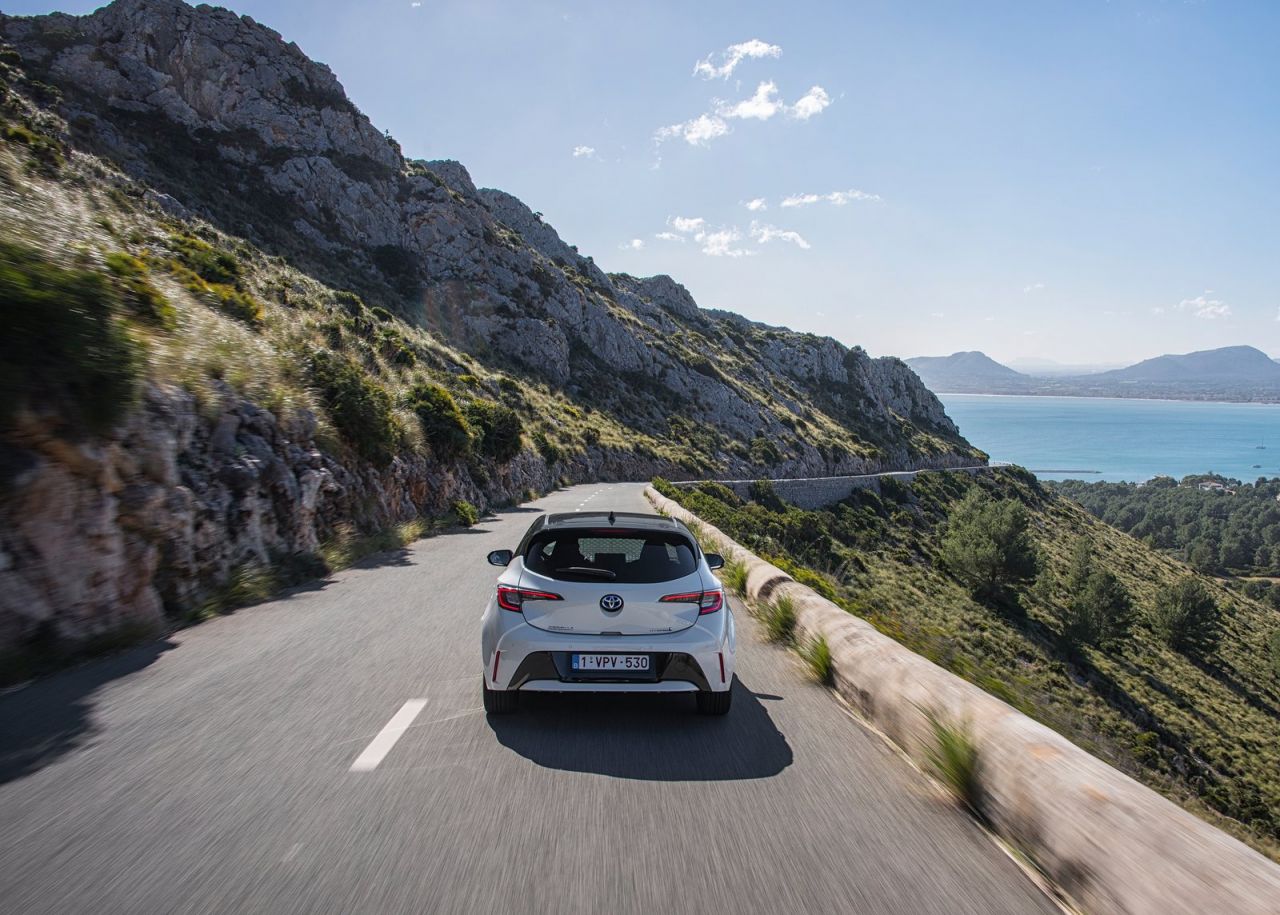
559 686
667 668
520 656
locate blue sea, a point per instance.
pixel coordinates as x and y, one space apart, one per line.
1099 438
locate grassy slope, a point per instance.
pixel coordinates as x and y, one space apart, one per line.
86 211
1205 734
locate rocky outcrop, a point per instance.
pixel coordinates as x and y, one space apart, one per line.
99 535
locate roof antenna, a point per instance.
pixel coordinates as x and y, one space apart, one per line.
612 519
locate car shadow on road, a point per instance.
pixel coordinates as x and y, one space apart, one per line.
655 737
41 723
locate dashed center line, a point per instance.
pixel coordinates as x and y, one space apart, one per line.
381 745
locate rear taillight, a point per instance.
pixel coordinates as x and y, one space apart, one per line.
513 598
707 601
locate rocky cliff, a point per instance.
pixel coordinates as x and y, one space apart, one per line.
315 283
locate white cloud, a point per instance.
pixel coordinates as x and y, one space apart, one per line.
668 236
1034 287
1208 309
761 106
733 55
721 243
415 4
812 102
765 104
756 205
1158 310
686 223
839 198
580 152
766 233
699 131
636 244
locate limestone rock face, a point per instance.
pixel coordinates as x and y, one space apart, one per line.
98 536
209 69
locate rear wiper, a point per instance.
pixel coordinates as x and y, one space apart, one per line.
584 570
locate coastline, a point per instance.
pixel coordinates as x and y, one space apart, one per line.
1221 403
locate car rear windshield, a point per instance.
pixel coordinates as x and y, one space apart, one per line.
608 555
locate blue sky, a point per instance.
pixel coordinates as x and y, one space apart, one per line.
1086 181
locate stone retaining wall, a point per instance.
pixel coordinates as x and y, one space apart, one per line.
1116 846
819 492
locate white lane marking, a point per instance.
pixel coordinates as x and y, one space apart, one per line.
381 745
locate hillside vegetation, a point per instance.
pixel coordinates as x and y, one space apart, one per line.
1167 675
1230 529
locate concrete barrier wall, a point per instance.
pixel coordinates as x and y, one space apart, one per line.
819 492
1113 844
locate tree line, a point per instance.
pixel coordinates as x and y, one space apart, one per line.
1232 531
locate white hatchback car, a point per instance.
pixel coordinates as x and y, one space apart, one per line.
620 602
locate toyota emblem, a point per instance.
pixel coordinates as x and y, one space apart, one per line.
611 603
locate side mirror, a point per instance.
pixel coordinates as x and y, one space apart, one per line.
714 561
500 557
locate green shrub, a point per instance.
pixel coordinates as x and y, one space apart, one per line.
360 408
443 425
953 757
140 296
723 493
237 304
817 656
46 152
63 343
734 576
779 620
206 261
764 452
466 513
1273 654
228 299
550 451
349 301
987 545
1186 617
763 493
497 429
249 583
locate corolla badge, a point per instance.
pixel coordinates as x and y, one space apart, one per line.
611 603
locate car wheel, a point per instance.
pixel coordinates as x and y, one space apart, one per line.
710 703
500 701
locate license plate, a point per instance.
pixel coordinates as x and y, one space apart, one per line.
619 662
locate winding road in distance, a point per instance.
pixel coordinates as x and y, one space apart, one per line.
325 752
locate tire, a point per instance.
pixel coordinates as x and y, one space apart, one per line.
500 701
710 703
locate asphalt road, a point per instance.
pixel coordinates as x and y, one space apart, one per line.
213 772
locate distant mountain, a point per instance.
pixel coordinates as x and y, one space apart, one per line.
971 371
1228 364
1232 373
